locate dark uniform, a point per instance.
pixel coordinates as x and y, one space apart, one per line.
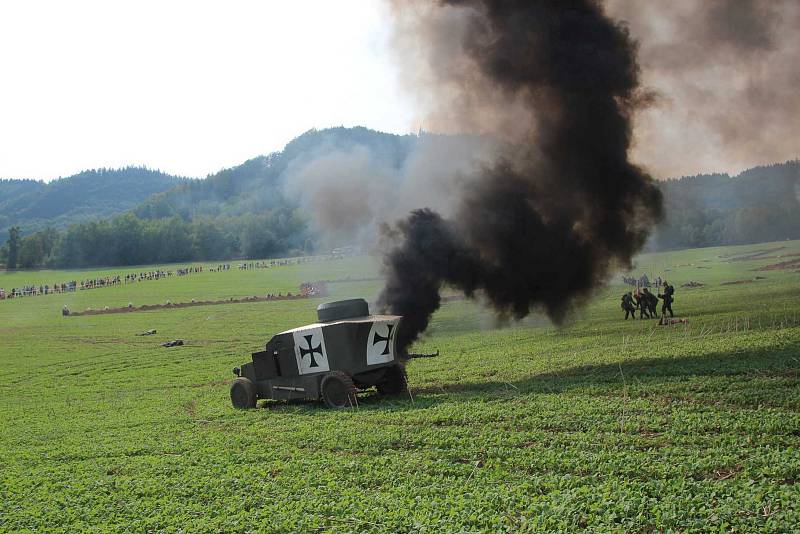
641 302
651 301
668 298
627 306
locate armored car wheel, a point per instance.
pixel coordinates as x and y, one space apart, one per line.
243 393
338 390
394 381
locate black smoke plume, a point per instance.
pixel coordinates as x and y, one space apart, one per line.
562 206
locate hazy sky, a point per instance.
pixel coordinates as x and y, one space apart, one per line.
190 87
187 87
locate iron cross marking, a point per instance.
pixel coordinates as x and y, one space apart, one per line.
311 351
377 338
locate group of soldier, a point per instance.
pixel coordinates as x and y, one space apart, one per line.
159 274
32 290
647 303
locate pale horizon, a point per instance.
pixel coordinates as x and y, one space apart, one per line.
191 88
188 88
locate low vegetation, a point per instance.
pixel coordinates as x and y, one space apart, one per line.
604 424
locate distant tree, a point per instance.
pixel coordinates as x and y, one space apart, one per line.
31 252
257 240
209 242
13 247
174 240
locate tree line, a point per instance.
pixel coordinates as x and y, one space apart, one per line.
92 194
129 240
760 204
687 227
242 213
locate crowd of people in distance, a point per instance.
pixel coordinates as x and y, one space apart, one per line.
647 303
642 281
161 273
33 290
267 264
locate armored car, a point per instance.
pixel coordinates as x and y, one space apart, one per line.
346 350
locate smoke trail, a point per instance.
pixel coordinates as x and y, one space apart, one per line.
727 72
562 206
349 188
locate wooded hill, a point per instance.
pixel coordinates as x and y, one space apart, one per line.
256 185
94 194
244 212
760 204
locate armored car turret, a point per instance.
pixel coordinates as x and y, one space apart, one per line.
346 350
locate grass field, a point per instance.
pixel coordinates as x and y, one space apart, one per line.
603 424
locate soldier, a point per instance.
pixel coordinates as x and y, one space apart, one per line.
651 301
641 302
668 298
627 305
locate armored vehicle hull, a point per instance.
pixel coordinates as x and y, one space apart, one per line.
329 360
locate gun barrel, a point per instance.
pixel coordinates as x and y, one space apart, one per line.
412 355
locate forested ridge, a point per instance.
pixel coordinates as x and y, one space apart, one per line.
760 204
244 212
256 185
32 205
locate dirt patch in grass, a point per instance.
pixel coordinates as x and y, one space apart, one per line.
149 307
722 473
751 255
744 281
789 264
191 408
726 472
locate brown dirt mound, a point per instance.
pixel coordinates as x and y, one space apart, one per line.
737 282
149 307
776 256
790 264
751 255
692 283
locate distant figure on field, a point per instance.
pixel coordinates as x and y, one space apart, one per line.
651 301
65 310
628 306
668 297
641 303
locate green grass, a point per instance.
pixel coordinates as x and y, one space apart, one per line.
603 424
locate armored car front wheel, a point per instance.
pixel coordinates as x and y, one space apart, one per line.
394 382
338 390
243 393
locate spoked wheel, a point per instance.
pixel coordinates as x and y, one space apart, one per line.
338 391
243 393
394 381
